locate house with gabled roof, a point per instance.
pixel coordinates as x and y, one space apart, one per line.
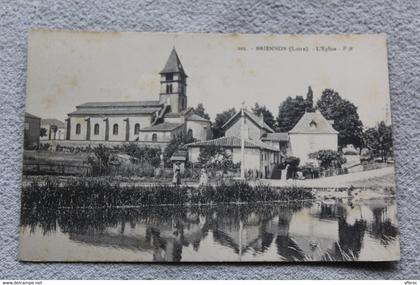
261 144
152 122
258 155
255 127
264 149
313 132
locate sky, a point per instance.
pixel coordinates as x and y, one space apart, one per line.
68 68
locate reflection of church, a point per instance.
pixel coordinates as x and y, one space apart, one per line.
153 122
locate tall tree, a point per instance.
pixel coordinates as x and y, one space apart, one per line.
292 109
379 140
220 120
261 110
201 111
310 100
345 117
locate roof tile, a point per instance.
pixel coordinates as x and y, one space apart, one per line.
233 142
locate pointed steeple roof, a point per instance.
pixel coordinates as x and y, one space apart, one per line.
173 64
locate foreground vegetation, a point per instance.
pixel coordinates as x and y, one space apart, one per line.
75 193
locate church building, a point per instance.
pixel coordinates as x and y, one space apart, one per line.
153 123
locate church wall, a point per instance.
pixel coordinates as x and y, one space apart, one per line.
166 136
252 131
303 144
180 119
174 103
102 127
121 128
83 125
144 121
201 130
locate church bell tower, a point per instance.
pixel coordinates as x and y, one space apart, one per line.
173 84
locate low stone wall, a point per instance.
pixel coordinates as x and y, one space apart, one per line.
84 143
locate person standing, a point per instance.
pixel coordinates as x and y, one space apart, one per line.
203 178
176 178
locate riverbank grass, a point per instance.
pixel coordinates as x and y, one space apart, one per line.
74 193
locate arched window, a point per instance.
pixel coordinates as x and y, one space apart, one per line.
190 134
96 129
136 129
78 129
115 129
169 88
154 138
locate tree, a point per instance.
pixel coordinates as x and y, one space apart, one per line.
220 120
379 140
201 111
292 109
103 155
150 155
345 117
310 100
43 132
216 158
174 145
267 115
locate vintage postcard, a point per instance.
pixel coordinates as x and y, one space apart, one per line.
207 147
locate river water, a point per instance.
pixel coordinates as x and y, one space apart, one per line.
341 230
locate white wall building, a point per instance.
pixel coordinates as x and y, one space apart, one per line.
312 133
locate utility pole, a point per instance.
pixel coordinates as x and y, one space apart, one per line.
242 142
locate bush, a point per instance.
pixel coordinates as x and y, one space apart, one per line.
328 158
151 155
216 158
293 163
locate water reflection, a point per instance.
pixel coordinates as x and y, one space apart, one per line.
339 230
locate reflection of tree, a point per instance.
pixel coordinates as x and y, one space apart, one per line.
286 246
350 238
382 227
248 226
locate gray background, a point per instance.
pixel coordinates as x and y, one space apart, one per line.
400 20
